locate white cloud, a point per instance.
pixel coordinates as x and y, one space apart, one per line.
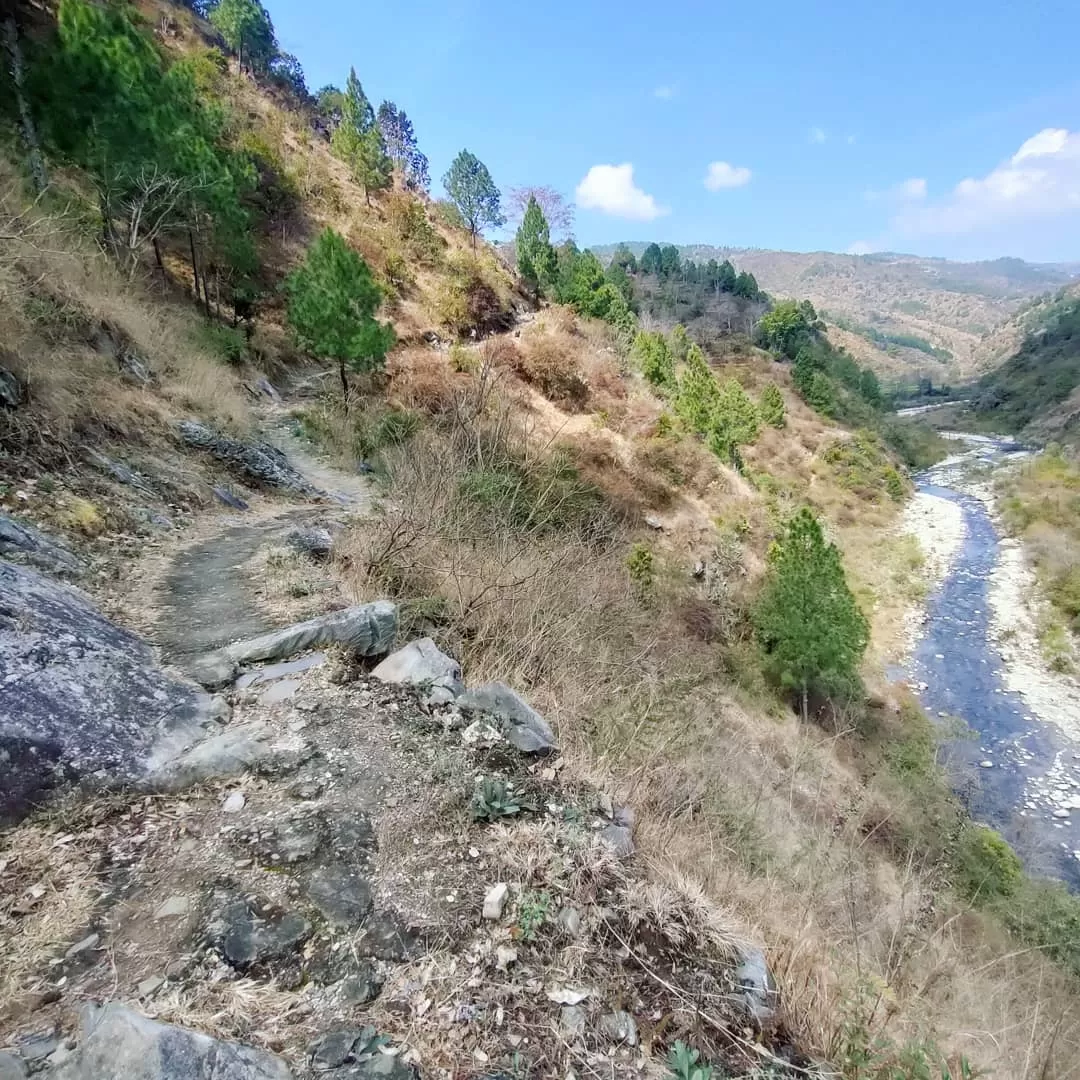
1047 141
1042 179
852 139
860 247
611 189
721 175
665 93
817 135
906 191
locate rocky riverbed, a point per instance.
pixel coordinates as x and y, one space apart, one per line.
975 658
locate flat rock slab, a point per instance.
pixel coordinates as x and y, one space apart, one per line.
366 629
279 671
341 893
117 1043
81 697
279 691
522 726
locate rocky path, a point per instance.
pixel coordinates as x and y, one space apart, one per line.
205 598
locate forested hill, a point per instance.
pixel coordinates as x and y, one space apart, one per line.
1037 390
903 315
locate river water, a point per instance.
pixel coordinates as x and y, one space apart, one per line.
1018 773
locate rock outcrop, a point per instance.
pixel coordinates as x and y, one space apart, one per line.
23 543
260 462
116 1043
522 726
364 630
80 697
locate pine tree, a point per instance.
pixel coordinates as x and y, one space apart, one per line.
734 422
654 358
807 620
471 189
695 400
246 27
332 303
401 146
358 141
535 255
651 260
772 406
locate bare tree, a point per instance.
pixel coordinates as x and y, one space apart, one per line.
558 212
137 207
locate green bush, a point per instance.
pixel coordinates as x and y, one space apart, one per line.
986 868
226 342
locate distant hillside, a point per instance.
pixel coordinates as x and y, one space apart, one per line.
903 315
1037 390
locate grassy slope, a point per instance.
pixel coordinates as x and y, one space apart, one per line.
824 844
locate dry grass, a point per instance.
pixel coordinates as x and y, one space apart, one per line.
57 292
797 838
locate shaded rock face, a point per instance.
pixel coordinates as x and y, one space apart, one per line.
261 462
79 696
116 1043
11 391
23 543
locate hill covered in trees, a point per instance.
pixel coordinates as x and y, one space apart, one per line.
904 315
1037 390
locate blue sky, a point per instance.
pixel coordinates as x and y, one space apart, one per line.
944 128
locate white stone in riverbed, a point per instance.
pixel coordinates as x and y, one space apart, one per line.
1061 813
986 764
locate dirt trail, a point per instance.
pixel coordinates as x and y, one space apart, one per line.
205 596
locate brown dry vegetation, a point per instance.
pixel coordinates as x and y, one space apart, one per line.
510 511
810 840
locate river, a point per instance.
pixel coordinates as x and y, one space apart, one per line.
1020 772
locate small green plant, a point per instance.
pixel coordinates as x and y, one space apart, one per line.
494 799
226 342
683 1063
462 359
533 910
46 485
642 569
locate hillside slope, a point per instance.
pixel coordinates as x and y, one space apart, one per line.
390 883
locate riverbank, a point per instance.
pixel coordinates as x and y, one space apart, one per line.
974 655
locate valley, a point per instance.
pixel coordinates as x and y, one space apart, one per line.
428 659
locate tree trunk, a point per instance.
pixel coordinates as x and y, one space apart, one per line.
35 158
194 264
805 712
157 258
344 384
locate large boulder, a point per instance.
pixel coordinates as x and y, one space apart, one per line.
522 726
366 630
423 665
23 543
116 1043
81 697
260 462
